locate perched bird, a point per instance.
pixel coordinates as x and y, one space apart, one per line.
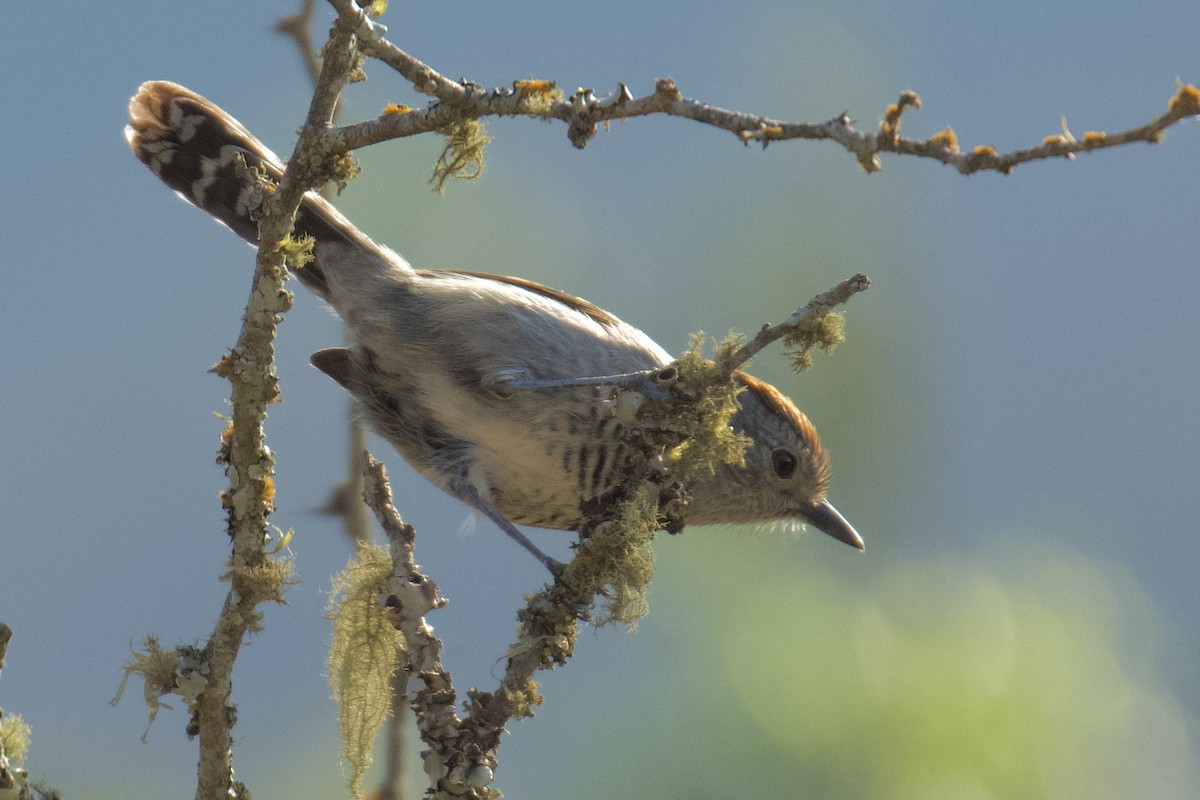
478 380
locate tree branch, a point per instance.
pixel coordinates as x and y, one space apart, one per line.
456 101
249 367
413 596
802 318
461 759
803 330
298 27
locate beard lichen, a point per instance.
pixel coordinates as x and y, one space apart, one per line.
362 655
825 332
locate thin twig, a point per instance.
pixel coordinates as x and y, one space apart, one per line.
820 305
298 27
583 112
646 381
346 498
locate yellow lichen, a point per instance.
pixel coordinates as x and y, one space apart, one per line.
702 419
618 558
297 250
535 86
525 699
537 96
946 138
1186 100
891 117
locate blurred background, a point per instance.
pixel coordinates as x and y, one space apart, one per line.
1012 419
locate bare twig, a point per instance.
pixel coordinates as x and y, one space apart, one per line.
346 498
298 27
584 111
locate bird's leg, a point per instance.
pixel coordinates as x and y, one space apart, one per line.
471 496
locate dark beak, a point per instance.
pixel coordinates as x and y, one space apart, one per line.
825 518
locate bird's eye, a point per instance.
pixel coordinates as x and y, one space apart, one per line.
784 463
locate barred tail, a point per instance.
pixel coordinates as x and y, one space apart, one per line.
193 146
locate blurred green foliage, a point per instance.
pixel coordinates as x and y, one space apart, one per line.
935 679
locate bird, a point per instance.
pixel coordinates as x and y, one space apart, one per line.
491 387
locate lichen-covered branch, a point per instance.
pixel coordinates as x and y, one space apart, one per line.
456 101
613 563
249 367
944 146
612 559
413 596
14 741
806 328
814 325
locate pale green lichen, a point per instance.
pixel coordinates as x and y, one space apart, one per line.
620 552
524 699
713 400
690 427
14 737
537 96
363 655
824 331
462 156
161 671
265 581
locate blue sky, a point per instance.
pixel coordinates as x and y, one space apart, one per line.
1012 419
